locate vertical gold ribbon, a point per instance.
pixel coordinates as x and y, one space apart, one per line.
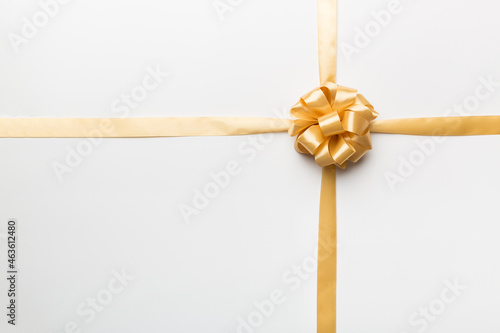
327 40
327 254
327 236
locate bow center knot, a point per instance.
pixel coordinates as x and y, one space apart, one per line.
332 123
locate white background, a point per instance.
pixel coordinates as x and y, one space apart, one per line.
119 208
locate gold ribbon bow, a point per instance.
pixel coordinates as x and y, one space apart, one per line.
332 123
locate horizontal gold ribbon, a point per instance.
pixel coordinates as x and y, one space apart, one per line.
137 127
224 126
439 126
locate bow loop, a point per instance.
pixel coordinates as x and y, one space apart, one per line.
332 123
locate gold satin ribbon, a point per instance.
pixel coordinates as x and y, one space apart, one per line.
326 301
137 127
332 122
326 295
226 126
327 40
439 126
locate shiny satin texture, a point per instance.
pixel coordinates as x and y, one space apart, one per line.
439 126
137 127
331 122
226 126
327 40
